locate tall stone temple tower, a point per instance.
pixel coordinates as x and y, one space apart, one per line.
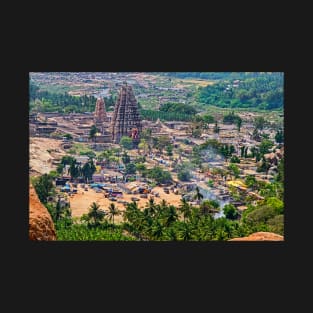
101 122
100 114
126 119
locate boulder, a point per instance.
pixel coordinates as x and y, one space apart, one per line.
41 226
260 236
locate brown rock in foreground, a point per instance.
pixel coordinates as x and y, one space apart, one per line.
41 226
260 236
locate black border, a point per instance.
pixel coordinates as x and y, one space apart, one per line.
226 264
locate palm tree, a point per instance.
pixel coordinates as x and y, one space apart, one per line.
113 211
131 211
170 215
171 234
185 208
185 232
157 230
151 207
95 213
107 154
198 195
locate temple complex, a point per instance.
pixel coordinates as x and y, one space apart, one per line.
126 119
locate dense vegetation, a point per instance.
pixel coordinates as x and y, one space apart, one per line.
178 108
83 232
264 91
45 101
215 75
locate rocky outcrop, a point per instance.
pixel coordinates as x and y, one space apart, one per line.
41 226
260 236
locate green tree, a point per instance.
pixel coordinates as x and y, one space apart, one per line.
44 187
276 224
169 150
265 146
95 214
184 175
88 170
126 142
178 108
208 119
143 145
67 160
169 215
230 211
58 210
234 170
92 132
198 195
234 159
279 137
106 154
60 168
157 230
125 158
185 208
159 175
141 168
251 182
275 203
185 232
113 211
130 168
74 170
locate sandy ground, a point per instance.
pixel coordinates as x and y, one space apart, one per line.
81 201
40 160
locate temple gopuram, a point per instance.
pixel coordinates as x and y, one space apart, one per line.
101 122
126 119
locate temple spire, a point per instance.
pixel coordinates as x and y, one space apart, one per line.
126 119
100 114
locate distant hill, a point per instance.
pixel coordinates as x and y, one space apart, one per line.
218 75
